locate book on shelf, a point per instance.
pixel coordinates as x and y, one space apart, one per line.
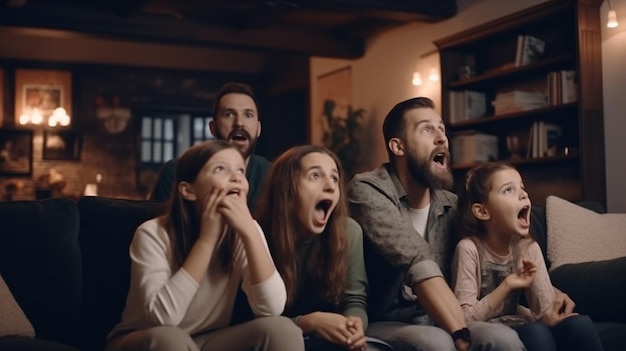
517 100
552 134
516 141
562 87
467 104
544 139
472 146
529 49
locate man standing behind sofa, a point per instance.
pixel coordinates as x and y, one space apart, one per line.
236 120
406 215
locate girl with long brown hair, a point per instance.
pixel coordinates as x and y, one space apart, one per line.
318 250
188 265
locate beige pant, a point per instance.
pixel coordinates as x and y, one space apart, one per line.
260 334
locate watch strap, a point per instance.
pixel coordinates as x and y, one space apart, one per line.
463 334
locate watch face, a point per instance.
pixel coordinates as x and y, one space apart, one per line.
463 334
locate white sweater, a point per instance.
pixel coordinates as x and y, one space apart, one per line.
159 296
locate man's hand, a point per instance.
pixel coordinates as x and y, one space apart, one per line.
564 303
562 308
462 345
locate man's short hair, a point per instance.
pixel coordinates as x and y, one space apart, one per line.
393 125
236 88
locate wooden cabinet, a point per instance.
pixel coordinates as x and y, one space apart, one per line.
483 60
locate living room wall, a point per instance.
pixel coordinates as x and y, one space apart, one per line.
130 70
383 77
614 85
113 155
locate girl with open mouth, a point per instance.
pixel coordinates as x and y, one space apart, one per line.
187 266
318 250
498 260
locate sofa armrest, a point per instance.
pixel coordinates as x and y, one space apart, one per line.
107 227
598 288
40 260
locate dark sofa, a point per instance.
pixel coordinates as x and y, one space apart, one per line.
67 266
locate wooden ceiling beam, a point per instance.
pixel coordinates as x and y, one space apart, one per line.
162 29
238 28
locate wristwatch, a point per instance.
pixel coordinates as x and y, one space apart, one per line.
463 334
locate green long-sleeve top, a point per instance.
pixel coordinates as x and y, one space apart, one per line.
354 302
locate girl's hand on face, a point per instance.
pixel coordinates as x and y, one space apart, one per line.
357 340
522 278
212 222
234 209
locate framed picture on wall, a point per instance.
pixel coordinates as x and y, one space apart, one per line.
61 144
38 93
16 152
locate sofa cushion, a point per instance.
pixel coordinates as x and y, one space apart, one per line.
598 288
576 234
613 335
26 344
40 260
13 321
538 224
538 228
107 228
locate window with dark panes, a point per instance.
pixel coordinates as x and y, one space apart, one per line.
200 130
158 139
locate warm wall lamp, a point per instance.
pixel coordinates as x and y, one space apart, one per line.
433 76
59 117
417 79
612 17
428 60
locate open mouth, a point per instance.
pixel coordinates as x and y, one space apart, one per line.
440 159
233 192
321 210
239 135
524 214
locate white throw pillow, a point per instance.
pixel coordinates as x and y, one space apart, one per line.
576 234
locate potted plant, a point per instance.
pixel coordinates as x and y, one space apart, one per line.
341 124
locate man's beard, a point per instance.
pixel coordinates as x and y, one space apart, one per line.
421 172
247 152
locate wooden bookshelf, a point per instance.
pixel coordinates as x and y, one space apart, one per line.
571 31
539 113
522 162
508 71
